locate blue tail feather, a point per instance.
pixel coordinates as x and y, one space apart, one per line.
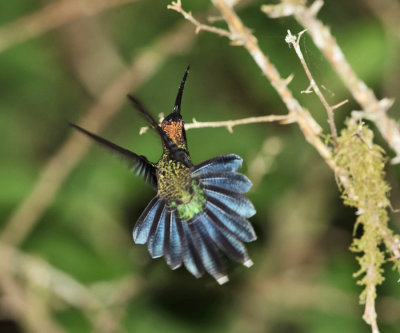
211 257
143 225
224 239
237 202
156 240
231 181
230 162
167 236
191 258
172 244
236 224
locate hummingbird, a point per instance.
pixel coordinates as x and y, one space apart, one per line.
199 214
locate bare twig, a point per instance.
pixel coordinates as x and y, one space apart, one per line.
374 109
370 313
65 159
177 6
338 105
50 17
290 39
229 124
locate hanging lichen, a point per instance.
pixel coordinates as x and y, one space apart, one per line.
362 164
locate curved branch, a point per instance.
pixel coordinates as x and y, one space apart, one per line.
50 17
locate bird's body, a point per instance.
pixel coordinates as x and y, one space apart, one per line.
173 177
199 210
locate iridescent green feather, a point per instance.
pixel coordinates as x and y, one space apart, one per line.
175 185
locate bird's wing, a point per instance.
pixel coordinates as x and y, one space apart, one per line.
137 163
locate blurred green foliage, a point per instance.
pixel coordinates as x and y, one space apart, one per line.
304 231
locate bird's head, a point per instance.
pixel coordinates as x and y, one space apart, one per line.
173 124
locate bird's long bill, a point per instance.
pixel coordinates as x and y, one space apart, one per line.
178 100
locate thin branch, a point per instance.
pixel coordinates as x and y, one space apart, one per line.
177 6
290 39
338 105
50 17
53 174
370 315
229 124
374 109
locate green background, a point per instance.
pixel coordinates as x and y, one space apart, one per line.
302 277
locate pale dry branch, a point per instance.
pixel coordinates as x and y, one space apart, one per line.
55 171
388 12
370 315
177 6
229 124
374 109
293 40
50 17
37 272
261 163
17 304
338 105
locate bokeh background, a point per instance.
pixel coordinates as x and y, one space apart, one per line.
67 259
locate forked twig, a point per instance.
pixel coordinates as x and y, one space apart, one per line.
293 40
177 6
373 109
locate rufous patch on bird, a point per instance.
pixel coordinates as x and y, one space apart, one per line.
174 130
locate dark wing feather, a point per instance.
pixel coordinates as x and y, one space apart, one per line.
138 163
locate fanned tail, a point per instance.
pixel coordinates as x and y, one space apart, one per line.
220 228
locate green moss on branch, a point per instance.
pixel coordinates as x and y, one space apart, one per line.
363 164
